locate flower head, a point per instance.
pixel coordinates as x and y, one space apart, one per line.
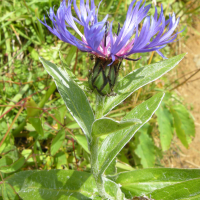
98 37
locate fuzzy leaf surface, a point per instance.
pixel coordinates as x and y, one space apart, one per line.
61 185
138 78
143 181
114 142
73 96
105 126
187 190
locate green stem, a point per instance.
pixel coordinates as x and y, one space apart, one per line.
49 92
16 132
95 165
94 149
99 106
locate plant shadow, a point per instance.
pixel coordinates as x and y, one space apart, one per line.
128 80
59 185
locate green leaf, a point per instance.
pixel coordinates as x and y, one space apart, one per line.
72 125
5 161
37 124
145 149
33 53
75 99
113 190
14 166
31 107
111 168
61 185
60 115
179 131
105 126
57 142
60 159
8 192
139 78
188 190
81 139
123 166
114 142
20 94
70 55
66 65
17 179
143 181
184 124
165 126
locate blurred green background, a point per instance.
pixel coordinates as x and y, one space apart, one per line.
32 111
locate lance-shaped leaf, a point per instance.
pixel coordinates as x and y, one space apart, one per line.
105 125
81 139
138 78
14 166
60 184
57 142
143 181
73 96
65 65
187 190
114 142
17 179
37 124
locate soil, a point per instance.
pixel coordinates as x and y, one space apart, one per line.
190 91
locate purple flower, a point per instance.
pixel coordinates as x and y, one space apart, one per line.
109 48
98 37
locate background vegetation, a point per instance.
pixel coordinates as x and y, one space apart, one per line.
32 111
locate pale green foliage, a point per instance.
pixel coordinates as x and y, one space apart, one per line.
138 78
105 126
57 142
165 125
145 148
59 184
114 142
183 123
153 179
74 97
9 167
50 144
116 134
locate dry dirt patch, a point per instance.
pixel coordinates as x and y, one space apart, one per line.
190 158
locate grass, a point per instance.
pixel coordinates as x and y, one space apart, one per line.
26 88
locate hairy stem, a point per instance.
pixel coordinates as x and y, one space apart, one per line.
99 106
94 149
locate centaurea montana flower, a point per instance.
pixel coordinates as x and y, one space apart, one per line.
108 48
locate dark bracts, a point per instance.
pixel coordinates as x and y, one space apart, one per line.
103 76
